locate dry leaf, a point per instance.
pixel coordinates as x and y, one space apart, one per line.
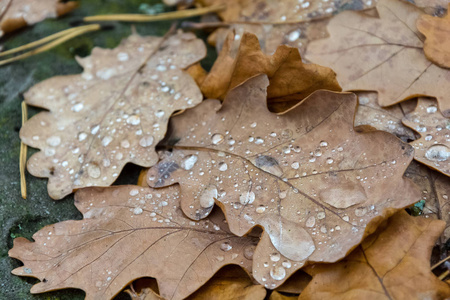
382 54
437 34
290 78
114 113
270 11
314 184
278 296
388 119
296 283
15 14
435 189
129 232
433 147
393 263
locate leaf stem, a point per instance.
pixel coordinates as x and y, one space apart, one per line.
160 17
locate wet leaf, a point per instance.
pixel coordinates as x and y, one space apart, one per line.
129 232
433 146
306 176
435 189
290 78
113 113
393 263
437 34
387 119
382 54
15 14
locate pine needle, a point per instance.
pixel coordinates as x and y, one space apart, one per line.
443 275
55 40
180 14
23 155
440 263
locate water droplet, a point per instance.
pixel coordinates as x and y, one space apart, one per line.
291 240
329 160
125 144
223 166
189 162
249 251
275 256
95 129
287 133
310 222
295 165
431 109
253 125
321 215
247 198
106 140
226 246
122 56
217 138
259 141
134 192
278 273
208 196
146 141
77 107
323 144
294 35
159 113
421 128
360 211
94 170
137 211
438 153
54 141
260 209
343 195
428 137
134 120
287 264
82 136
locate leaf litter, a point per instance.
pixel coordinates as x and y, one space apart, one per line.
317 176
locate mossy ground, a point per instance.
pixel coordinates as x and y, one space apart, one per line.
19 217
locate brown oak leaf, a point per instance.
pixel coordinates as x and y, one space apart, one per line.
290 78
433 147
114 113
306 176
387 119
435 189
15 14
382 54
437 33
129 232
393 263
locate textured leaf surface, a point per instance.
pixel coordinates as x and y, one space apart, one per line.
393 263
437 34
382 54
433 146
15 14
130 232
290 78
114 113
306 176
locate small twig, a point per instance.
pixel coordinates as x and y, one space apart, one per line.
440 263
23 156
204 25
180 14
52 44
443 275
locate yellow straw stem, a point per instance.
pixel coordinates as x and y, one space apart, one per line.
160 17
23 156
443 275
439 263
53 43
42 41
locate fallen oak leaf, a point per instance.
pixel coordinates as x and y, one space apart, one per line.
15 14
382 54
279 296
129 232
433 146
387 119
393 263
437 34
315 185
289 77
113 113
